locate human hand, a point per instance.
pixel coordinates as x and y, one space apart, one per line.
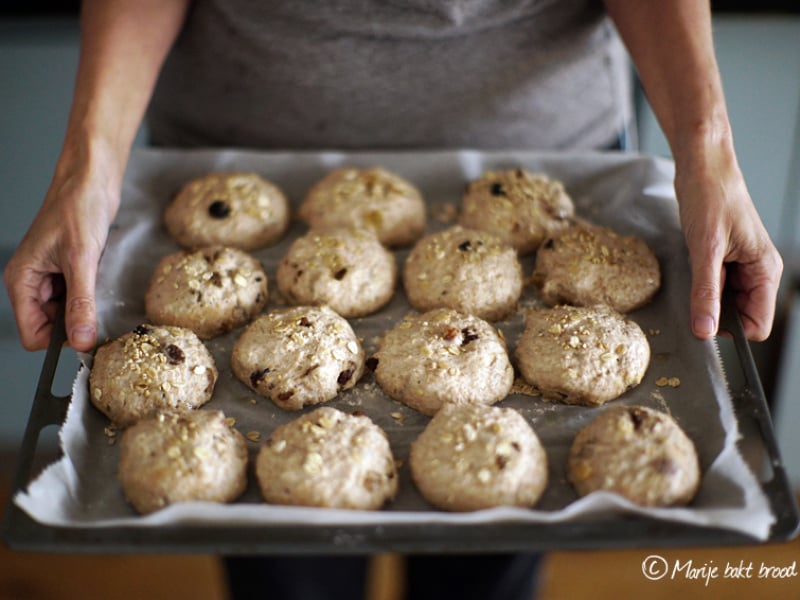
728 245
66 238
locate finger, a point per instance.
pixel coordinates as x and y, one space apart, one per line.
757 290
756 324
708 278
34 325
28 292
80 316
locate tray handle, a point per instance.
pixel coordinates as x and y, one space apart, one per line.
47 408
777 488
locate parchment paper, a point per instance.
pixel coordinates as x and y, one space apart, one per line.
631 193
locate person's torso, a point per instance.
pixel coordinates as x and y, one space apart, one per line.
393 74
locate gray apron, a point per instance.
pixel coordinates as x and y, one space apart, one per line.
350 74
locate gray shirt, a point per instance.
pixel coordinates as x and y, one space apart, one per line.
348 74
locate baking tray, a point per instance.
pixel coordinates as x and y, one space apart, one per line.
756 445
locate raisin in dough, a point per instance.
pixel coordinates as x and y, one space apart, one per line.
472 457
443 357
328 458
464 269
210 291
372 198
242 210
519 207
188 457
637 452
298 356
347 269
582 355
151 369
589 264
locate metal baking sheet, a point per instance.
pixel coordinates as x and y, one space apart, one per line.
602 186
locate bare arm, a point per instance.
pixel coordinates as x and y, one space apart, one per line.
123 45
672 47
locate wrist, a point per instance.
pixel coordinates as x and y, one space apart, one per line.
704 143
92 153
89 164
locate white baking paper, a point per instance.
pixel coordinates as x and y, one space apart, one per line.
630 193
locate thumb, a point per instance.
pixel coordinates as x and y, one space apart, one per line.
80 311
708 279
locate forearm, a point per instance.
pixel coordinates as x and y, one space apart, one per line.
123 45
671 45
670 42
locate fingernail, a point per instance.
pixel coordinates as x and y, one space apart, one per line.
704 326
82 334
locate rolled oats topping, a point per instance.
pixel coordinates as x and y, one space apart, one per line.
347 269
440 357
211 291
150 369
520 207
588 264
298 356
471 457
464 269
180 457
242 210
371 198
581 355
328 458
637 452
